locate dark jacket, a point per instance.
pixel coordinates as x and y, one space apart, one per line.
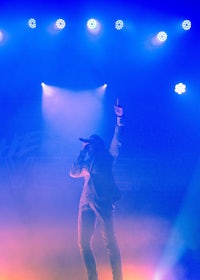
97 170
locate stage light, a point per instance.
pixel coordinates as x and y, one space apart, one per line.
92 23
32 23
93 26
1 36
162 36
105 86
186 24
60 23
180 88
159 38
119 24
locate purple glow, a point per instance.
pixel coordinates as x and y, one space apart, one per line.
72 113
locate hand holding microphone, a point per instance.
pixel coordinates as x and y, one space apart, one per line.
84 140
86 143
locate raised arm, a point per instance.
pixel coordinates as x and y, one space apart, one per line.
117 137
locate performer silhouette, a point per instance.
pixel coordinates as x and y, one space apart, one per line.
95 164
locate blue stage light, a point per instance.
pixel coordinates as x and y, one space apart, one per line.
92 23
186 24
180 88
1 36
60 23
119 24
93 26
32 23
162 36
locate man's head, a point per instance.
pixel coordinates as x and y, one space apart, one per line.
94 143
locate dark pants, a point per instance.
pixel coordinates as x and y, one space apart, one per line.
88 215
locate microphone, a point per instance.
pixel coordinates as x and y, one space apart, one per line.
84 140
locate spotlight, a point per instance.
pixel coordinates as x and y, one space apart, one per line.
93 26
60 23
105 86
92 23
119 24
162 36
32 23
180 88
1 36
186 24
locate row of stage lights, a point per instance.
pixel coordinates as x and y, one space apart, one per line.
94 27
93 24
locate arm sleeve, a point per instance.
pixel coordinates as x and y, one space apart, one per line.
78 168
117 138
